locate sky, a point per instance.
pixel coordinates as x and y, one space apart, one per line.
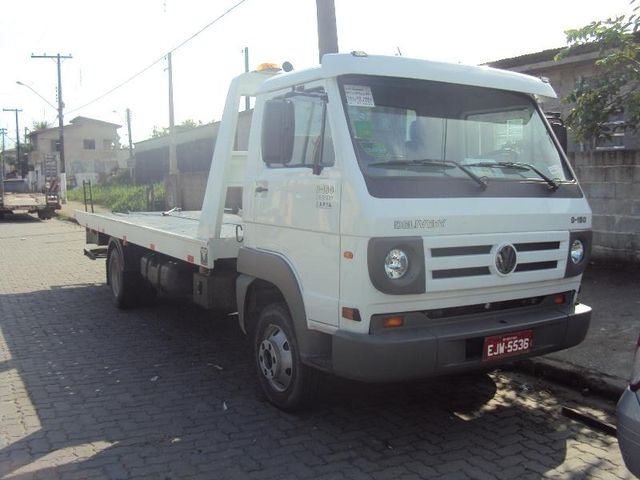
112 41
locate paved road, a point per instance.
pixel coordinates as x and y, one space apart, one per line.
612 292
87 391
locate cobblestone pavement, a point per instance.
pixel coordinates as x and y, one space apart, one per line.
87 391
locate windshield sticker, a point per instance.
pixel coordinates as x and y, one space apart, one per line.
363 128
420 223
376 150
359 96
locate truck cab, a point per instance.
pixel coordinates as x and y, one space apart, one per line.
425 212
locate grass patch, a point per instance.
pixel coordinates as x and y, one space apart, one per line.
124 198
60 215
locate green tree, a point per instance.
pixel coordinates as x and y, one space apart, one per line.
159 131
185 125
614 89
40 125
190 123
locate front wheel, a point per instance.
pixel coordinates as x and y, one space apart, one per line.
285 380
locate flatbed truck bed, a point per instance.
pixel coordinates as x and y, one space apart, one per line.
173 233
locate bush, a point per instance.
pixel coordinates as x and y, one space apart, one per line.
124 198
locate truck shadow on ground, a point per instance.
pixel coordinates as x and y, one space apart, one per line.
18 218
88 391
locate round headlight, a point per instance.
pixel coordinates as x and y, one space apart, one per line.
577 251
396 264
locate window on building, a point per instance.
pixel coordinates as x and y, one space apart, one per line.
108 144
55 146
613 139
89 144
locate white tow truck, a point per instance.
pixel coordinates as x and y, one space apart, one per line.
400 219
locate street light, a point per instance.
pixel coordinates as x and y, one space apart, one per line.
44 99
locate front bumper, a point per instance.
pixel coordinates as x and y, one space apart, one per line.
629 430
452 346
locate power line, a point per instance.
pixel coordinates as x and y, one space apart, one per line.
180 45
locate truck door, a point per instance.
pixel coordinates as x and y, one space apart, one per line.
297 207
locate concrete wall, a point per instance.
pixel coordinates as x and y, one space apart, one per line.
192 188
611 182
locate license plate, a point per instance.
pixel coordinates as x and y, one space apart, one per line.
507 345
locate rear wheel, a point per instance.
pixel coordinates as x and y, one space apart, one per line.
285 380
115 264
128 288
45 214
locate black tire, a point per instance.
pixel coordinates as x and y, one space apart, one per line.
45 214
285 380
124 287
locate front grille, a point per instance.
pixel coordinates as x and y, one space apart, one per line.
459 262
483 307
530 267
534 246
452 251
461 272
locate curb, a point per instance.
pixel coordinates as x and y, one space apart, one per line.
574 376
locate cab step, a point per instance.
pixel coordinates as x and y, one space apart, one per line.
96 252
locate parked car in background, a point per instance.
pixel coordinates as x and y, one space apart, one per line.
629 418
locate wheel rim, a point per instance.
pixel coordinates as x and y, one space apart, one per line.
114 273
275 359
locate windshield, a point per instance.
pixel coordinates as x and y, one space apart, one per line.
404 128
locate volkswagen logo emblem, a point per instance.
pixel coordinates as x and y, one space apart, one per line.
506 259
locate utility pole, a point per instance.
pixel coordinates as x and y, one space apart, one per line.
3 132
172 183
24 169
173 161
131 163
327 29
129 133
63 174
247 103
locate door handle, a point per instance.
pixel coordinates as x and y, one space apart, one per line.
261 189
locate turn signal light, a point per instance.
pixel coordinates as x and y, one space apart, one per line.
559 299
393 322
351 314
266 67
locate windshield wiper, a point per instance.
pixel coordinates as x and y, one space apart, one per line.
553 185
432 163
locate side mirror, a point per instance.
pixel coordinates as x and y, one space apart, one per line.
278 127
559 128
